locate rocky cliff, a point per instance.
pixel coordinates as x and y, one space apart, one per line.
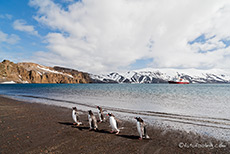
35 73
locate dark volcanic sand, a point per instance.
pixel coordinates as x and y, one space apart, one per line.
36 128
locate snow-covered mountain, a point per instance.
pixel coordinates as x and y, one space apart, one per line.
164 75
34 73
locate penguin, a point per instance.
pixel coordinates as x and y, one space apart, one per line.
113 123
92 121
75 117
141 128
100 114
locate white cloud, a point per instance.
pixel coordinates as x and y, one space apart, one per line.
10 39
21 25
104 35
67 1
6 16
209 45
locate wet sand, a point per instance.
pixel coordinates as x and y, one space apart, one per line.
37 128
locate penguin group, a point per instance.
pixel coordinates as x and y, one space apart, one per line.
141 126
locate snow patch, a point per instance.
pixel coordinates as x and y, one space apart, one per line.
52 71
39 73
8 82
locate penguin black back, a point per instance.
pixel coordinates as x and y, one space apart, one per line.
90 112
139 119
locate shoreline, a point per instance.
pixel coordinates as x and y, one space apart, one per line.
158 119
40 128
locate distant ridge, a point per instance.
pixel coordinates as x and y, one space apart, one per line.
164 75
35 73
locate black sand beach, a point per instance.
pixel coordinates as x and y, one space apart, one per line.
37 128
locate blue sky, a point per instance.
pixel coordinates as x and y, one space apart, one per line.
105 36
27 43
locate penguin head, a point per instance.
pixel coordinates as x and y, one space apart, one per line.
74 108
90 112
98 107
138 119
110 114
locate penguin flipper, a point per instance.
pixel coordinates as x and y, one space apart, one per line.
145 133
102 117
77 117
118 120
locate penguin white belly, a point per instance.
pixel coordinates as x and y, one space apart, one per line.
99 114
90 121
139 129
74 116
113 123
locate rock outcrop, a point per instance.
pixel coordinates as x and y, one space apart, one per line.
35 73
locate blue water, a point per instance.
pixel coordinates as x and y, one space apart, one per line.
201 108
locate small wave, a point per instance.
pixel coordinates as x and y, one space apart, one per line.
221 123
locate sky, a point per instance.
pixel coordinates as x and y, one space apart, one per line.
102 36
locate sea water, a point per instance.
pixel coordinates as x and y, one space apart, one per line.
199 108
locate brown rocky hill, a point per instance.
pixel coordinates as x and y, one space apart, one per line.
35 73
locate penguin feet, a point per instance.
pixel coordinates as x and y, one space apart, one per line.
117 132
78 124
146 137
111 132
140 138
